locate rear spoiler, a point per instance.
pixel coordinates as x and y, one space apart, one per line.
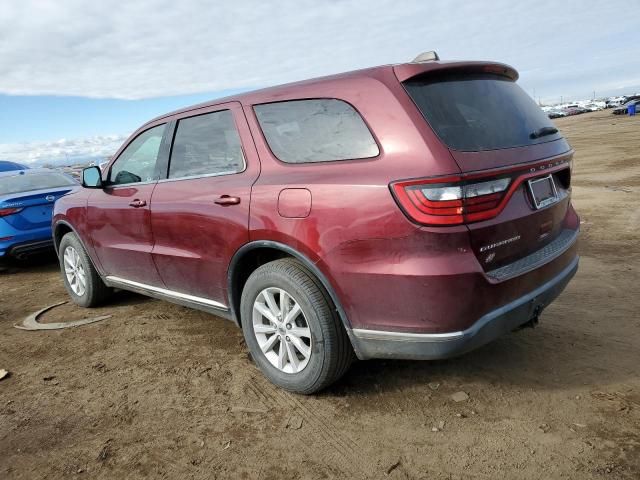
405 71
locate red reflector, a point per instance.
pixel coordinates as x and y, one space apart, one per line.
8 211
4 239
479 207
483 199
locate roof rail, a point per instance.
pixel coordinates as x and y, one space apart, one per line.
429 56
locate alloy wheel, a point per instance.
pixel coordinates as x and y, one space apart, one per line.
74 271
281 329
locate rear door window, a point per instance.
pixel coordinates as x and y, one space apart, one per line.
322 130
137 163
475 112
207 144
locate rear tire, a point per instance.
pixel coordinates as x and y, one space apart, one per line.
292 329
83 284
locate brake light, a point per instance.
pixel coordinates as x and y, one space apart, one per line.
450 201
501 70
9 211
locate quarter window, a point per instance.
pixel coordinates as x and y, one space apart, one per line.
137 163
322 130
205 145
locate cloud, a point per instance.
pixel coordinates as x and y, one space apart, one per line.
145 48
155 48
63 151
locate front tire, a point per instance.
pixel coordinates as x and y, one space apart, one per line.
292 329
83 284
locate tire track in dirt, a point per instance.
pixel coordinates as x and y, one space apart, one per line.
345 454
154 461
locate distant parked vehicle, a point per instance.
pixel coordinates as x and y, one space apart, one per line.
592 107
577 109
623 109
556 114
26 206
6 166
615 101
572 111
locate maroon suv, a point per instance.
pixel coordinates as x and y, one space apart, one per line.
410 211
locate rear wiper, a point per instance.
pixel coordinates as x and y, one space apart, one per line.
541 132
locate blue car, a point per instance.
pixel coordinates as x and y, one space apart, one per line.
6 166
26 205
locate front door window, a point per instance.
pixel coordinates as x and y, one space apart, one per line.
137 163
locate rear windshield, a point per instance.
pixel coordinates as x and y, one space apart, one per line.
33 181
479 112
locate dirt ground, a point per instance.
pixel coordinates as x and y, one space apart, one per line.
161 391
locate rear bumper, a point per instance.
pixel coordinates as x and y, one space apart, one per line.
430 346
24 249
21 243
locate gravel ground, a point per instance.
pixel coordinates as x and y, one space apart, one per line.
161 391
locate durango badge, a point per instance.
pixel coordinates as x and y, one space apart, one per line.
500 243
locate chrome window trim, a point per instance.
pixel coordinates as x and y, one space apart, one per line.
167 292
205 175
118 185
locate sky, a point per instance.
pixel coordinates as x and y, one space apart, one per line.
77 77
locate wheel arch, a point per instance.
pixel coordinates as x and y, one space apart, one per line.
60 229
243 263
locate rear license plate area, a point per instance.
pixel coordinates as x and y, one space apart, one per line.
543 191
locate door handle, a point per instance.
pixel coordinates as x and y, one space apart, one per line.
226 200
138 203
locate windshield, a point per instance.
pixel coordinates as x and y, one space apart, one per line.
479 111
27 182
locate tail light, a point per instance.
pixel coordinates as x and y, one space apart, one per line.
450 201
9 211
471 197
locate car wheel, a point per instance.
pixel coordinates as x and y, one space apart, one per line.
84 285
292 329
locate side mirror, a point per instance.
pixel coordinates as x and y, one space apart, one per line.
92 177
